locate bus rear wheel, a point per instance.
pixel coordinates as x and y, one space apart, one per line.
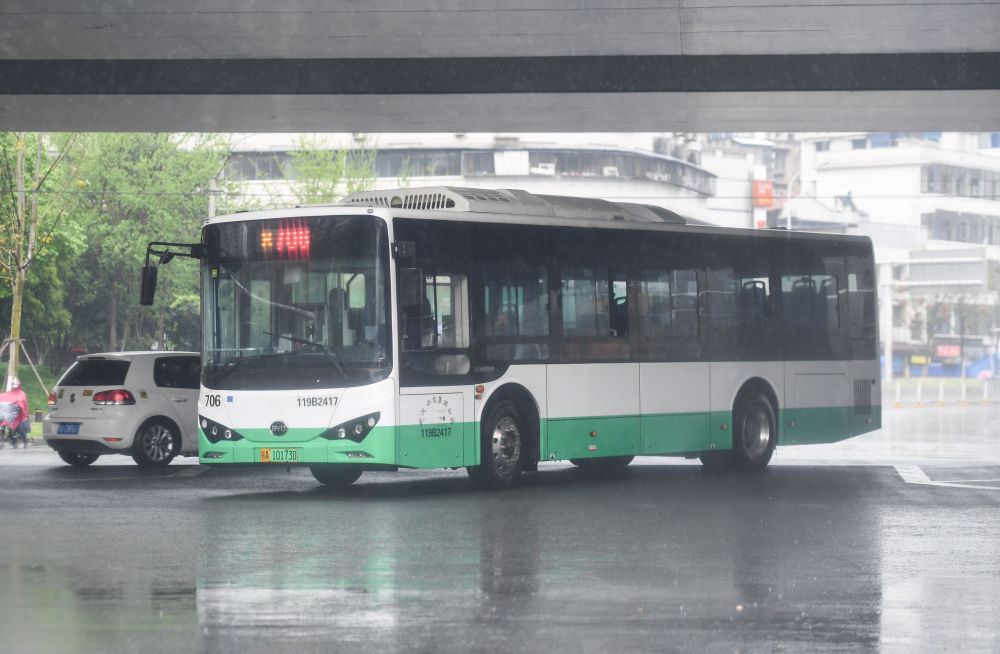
755 435
336 475
503 448
755 432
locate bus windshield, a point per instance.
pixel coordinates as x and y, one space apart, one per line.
295 303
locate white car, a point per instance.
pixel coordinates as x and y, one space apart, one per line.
144 404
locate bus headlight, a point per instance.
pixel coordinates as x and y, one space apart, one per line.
354 430
215 432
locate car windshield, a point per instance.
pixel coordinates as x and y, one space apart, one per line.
295 303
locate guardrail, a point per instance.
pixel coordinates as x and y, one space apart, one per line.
921 392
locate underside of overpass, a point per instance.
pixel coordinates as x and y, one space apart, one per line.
483 65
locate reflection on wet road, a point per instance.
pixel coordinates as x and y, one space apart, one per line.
661 560
807 557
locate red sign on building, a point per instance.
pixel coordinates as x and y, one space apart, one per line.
948 351
763 193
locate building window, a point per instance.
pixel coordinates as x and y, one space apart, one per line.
250 166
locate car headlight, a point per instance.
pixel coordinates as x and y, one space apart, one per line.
215 432
354 430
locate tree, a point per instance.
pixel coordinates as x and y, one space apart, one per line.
45 317
324 173
142 187
33 201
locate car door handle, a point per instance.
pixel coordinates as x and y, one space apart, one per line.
182 399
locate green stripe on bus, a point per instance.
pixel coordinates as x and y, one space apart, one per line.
457 444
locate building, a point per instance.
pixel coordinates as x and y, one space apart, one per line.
642 168
931 204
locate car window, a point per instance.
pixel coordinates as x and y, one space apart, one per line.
96 372
177 372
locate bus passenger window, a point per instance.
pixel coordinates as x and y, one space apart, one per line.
722 298
517 313
861 304
585 302
810 302
594 314
684 303
754 303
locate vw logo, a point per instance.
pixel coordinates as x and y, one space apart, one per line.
279 428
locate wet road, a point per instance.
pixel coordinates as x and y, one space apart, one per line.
889 542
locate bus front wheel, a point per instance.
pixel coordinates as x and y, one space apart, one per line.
336 475
503 448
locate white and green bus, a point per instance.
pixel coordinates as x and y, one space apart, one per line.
496 329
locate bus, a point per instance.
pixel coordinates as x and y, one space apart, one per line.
497 329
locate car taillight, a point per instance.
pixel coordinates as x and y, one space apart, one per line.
118 396
52 398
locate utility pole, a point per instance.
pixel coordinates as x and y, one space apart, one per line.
213 188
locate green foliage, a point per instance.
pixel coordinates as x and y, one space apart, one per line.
34 201
324 173
95 213
140 188
183 323
45 317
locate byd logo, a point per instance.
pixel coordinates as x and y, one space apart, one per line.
279 428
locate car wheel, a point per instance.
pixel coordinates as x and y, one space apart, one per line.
336 475
155 444
76 459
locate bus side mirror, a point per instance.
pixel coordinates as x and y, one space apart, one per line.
147 288
410 288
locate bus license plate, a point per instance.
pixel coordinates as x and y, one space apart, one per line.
68 428
279 455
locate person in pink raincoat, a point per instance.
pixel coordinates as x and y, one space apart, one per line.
14 410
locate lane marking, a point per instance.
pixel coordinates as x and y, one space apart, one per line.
912 474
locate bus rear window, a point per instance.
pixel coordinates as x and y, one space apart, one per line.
96 372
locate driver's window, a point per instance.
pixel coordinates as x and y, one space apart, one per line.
441 320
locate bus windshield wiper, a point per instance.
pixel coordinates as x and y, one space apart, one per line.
333 355
229 367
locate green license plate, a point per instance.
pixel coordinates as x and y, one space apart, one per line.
279 455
